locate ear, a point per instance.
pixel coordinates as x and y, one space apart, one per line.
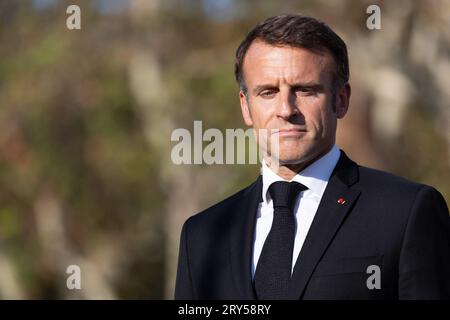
343 100
246 115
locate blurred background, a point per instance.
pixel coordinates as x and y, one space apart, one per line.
86 118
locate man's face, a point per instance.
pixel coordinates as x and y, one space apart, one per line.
289 92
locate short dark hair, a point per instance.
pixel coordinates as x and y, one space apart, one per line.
296 31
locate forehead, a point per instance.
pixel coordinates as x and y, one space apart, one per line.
269 62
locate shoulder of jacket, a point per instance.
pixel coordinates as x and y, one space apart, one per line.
221 208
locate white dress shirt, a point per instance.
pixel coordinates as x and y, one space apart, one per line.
315 177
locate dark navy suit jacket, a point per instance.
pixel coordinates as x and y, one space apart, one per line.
387 221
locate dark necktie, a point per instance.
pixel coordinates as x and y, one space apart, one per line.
273 272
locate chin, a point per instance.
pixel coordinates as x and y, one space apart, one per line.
296 155
291 157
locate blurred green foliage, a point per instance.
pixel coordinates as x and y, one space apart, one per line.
80 178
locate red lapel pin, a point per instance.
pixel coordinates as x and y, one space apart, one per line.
341 201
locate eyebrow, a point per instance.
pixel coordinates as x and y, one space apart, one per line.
306 85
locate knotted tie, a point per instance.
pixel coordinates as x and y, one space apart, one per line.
273 272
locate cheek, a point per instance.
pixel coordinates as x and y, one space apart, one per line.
261 116
328 124
320 118
314 119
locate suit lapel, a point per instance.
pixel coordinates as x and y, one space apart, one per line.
241 238
329 217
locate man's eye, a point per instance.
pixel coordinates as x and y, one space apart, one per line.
305 91
268 93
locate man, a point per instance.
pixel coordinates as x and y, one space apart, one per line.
314 225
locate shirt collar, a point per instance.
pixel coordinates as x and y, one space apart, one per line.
315 176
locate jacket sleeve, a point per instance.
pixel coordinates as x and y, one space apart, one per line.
183 285
424 265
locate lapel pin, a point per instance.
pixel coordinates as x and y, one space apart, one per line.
341 201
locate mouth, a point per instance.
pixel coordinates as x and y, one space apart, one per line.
293 132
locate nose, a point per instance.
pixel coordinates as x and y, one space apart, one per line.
287 106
